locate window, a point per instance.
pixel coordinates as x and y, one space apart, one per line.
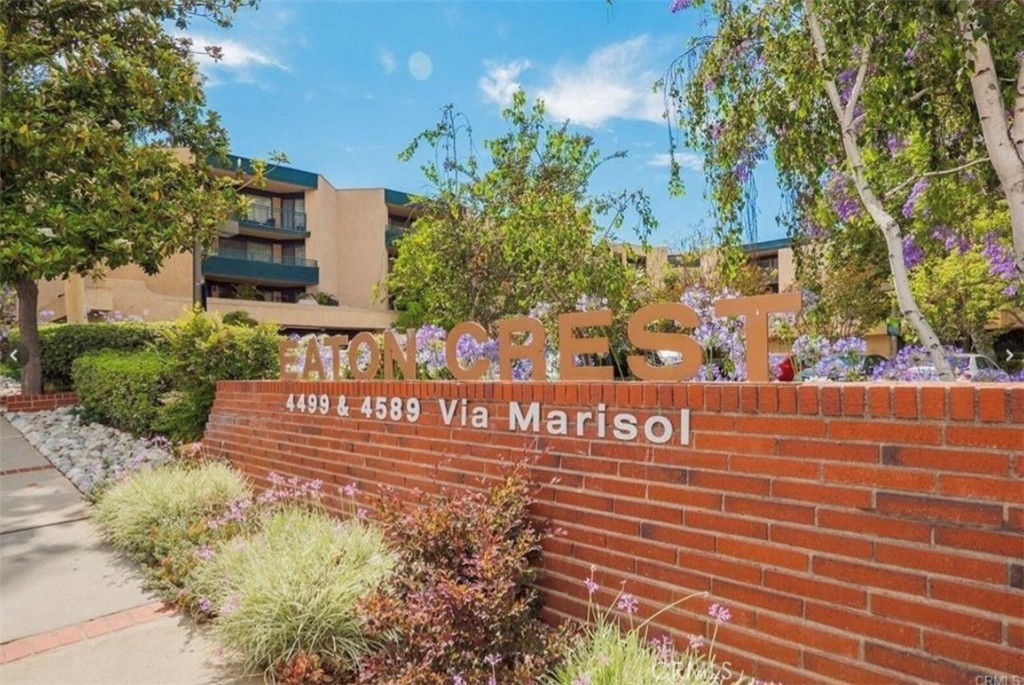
293 213
261 252
261 209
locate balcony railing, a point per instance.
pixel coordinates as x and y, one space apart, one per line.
262 268
262 216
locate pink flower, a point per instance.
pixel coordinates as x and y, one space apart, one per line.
719 613
629 604
350 490
696 641
591 586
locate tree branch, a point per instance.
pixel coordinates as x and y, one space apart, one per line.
1017 129
929 174
858 85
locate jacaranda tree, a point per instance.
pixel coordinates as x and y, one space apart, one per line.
878 115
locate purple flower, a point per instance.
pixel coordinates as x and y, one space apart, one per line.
910 205
458 680
696 641
205 605
350 490
950 239
582 679
591 585
913 254
895 144
629 604
909 55
719 613
845 204
1001 263
492 660
204 553
679 5
362 513
586 303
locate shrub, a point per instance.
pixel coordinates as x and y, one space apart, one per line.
158 516
203 350
462 601
240 318
288 592
122 389
61 344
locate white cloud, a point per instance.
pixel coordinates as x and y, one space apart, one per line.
686 160
237 60
420 66
387 60
236 55
613 83
501 80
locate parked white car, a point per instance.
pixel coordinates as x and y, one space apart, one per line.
966 366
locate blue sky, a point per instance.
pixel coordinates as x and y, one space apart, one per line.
342 87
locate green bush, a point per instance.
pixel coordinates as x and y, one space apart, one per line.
203 350
159 516
122 389
240 318
61 344
290 590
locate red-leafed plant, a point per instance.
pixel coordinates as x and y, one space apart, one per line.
461 606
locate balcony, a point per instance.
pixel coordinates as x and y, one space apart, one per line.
281 270
266 222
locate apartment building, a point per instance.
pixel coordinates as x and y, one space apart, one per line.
301 240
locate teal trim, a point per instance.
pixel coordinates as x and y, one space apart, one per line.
281 174
396 197
768 245
304 272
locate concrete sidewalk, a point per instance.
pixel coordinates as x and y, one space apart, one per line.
71 609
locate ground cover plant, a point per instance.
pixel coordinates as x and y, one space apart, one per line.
288 591
159 516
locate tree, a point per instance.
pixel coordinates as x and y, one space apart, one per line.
104 138
495 243
884 87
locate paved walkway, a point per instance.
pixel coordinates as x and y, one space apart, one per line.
71 609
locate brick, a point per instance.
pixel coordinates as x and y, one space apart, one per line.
730 525
905 402
43 642
942 562
782 426
823 541
990 657
678 536
938 509
885 477
812 588
767 399
716 566
854 400
828 450
975 487
729 483
877 526
754 643
769 509
871 575
925 668
807 399
992 404
985 436
879 402
952 460
863 623
1017 404
787 399
846 671
823 494
928 614
1000 544
1009 602
932 403
772 555
831 400
734 593
814 638
18 649
885 432
734 444
70 635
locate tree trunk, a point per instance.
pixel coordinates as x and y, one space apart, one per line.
883 219
28 333
1006 154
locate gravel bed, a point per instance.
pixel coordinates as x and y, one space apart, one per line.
87 454
9 386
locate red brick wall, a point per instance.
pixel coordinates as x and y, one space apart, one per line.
38 402
858 533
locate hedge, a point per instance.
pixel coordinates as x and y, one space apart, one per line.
61 344
122 389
